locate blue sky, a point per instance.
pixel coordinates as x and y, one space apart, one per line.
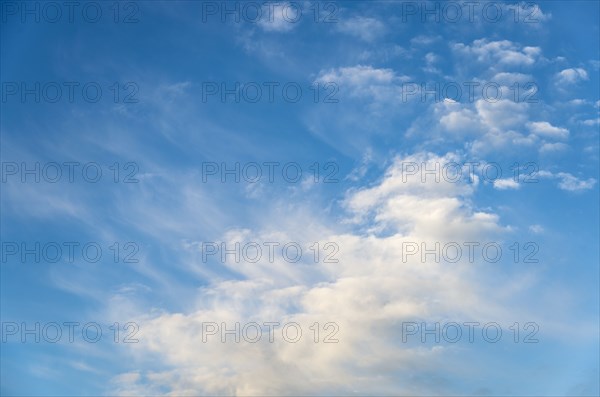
374 59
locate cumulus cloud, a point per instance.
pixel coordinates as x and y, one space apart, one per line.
545 129
488 125
403 201
506 183
508 79
367 294
359 75
503 52
485 125
574 184
364 81
482 115
571 76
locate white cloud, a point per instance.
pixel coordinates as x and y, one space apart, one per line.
503 52
368 293
503 114
402 200
568 181
459 120
491 125
571 76
482 117
384 53
578 102
359 172
362 81
365 28
487 126
591 122
423 40
545 129
574 184
553 147
506 183
279 17
508 79
430 60
359 75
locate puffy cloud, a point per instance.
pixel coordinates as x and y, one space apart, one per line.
503 114
506 183
461 119
359 75
508 79
503 52
480 116
361 81
571 76
404 202
545 129
368 293
488 125
574 184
